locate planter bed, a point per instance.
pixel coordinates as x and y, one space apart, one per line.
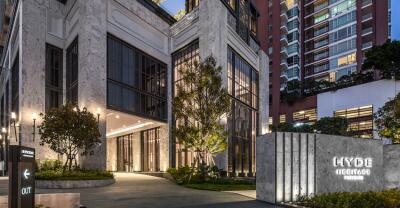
71 184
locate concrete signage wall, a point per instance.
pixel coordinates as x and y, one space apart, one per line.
298 164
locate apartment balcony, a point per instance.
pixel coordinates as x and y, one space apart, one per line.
284 17
284 64
366 3
367 17
284 29
284 5
366 31
321 6
367 45
284 40
284 53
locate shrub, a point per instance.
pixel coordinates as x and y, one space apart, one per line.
48 165
201 174
73 175
383 199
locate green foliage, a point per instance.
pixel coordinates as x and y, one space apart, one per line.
208 178
181 13
332 125
48 165
200 103
384 199
223 185
385 58
286 127
203 173
158 2
387 120
326 125
53 170
68 130
59 174
297 90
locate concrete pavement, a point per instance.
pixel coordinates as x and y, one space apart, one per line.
141 191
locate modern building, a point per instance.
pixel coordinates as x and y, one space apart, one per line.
120 60
321 41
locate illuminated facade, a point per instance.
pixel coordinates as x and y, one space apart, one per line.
119 59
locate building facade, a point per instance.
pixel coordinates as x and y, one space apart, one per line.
317 42
120 60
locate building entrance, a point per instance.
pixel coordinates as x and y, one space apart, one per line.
151 150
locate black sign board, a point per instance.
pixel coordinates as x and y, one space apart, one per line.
21 177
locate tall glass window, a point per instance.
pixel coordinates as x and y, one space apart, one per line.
15 86
151 150
137 82
72 72
182 58
54 74
243 88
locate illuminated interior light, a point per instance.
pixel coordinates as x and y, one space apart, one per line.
130 128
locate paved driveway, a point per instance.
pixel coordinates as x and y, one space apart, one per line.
141 191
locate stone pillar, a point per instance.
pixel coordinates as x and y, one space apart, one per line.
92 75
263 93
32 59
213 41
164 148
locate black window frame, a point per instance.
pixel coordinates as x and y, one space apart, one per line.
72 71
150 98
240 137
252 15
53 77
15 85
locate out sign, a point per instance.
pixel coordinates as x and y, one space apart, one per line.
22 177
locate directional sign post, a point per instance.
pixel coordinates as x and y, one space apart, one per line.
21 177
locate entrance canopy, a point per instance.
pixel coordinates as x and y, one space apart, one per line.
119 123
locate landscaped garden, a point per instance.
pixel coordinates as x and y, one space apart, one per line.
53 170
209 178
383 199
71 132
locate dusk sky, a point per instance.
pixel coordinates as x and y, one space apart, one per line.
173 6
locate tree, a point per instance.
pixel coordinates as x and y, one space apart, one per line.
326 125
385 58
199 106
158 2
387 120
181 13
332 125
68 130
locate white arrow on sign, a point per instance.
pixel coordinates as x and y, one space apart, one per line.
26 173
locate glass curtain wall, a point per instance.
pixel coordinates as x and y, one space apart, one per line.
136 82
242 125
54 72
181 59
15 86
72 72
151 150
125 153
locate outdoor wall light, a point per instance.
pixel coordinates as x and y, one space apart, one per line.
13 116
13 120
98 111
3 130
34 117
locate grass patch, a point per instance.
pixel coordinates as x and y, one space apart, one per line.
383 199
221 187
73 175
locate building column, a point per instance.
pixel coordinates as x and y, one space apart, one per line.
213 41
263 96
92 75
32 61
